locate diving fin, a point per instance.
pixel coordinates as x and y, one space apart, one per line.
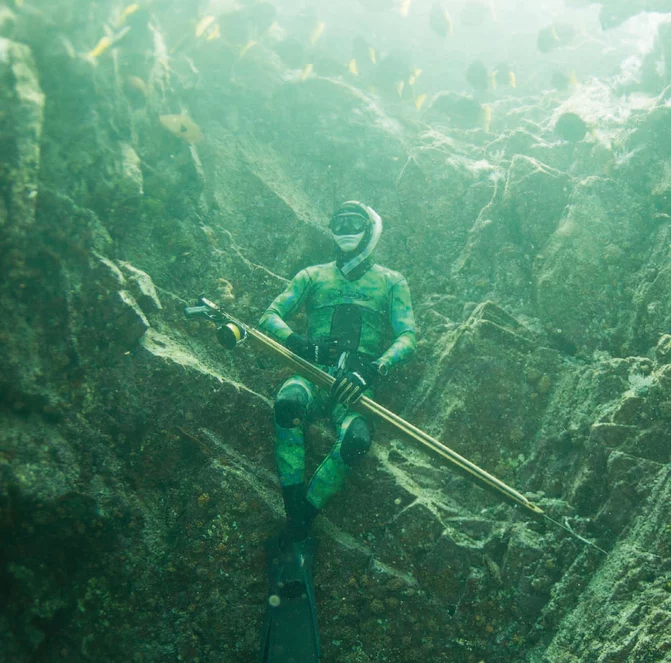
290 631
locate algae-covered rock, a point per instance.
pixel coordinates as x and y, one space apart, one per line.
578 275
22 102
441 194
536 196
145 290
136 455
663 349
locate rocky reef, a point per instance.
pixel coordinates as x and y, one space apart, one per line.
137 483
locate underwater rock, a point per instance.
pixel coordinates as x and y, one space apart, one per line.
536 194
577 288
7 21
615 12
129 322
22 103
448 565
442 192
661 190
476 395
663 349
461 111
620 614
143 287
182 431
520 567
650 300
130 182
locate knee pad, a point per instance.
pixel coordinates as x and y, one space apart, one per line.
356 441
291 406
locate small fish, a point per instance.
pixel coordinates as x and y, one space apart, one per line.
419 101
416 73
352 67
503 76
203 25
18 3
183 126
317 32
573 79
492 79
128 11
372 55
571 127
106 42
399 87
440 21
556 36
275 30
250 44
307 70
486 117
215 33
404 9
100 48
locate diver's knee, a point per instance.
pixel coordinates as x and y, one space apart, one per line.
356 442
291 406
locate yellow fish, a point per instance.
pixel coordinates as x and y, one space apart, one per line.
486 117
215 33
352 67
416 73
307 70
399 88
100 47
317 32
18 3
250 44
131 9
404 9
419 101
183 126
371 55
449 22
512 79
492 79
203 25
573 79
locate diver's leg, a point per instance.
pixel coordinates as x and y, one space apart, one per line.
354 438
292 406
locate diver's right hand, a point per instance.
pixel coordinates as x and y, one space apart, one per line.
325 352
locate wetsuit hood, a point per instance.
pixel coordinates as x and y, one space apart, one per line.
351 264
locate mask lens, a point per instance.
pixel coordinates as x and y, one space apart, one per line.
347 224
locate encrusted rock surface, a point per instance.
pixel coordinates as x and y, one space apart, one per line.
137 483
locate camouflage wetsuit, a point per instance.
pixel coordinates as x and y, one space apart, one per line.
380 300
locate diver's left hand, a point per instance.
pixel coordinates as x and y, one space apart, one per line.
350 386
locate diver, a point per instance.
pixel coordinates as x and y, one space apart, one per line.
360 325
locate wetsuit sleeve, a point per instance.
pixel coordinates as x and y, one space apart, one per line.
282 307
403 326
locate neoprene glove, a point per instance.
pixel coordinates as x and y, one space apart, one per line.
349 387
326 351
